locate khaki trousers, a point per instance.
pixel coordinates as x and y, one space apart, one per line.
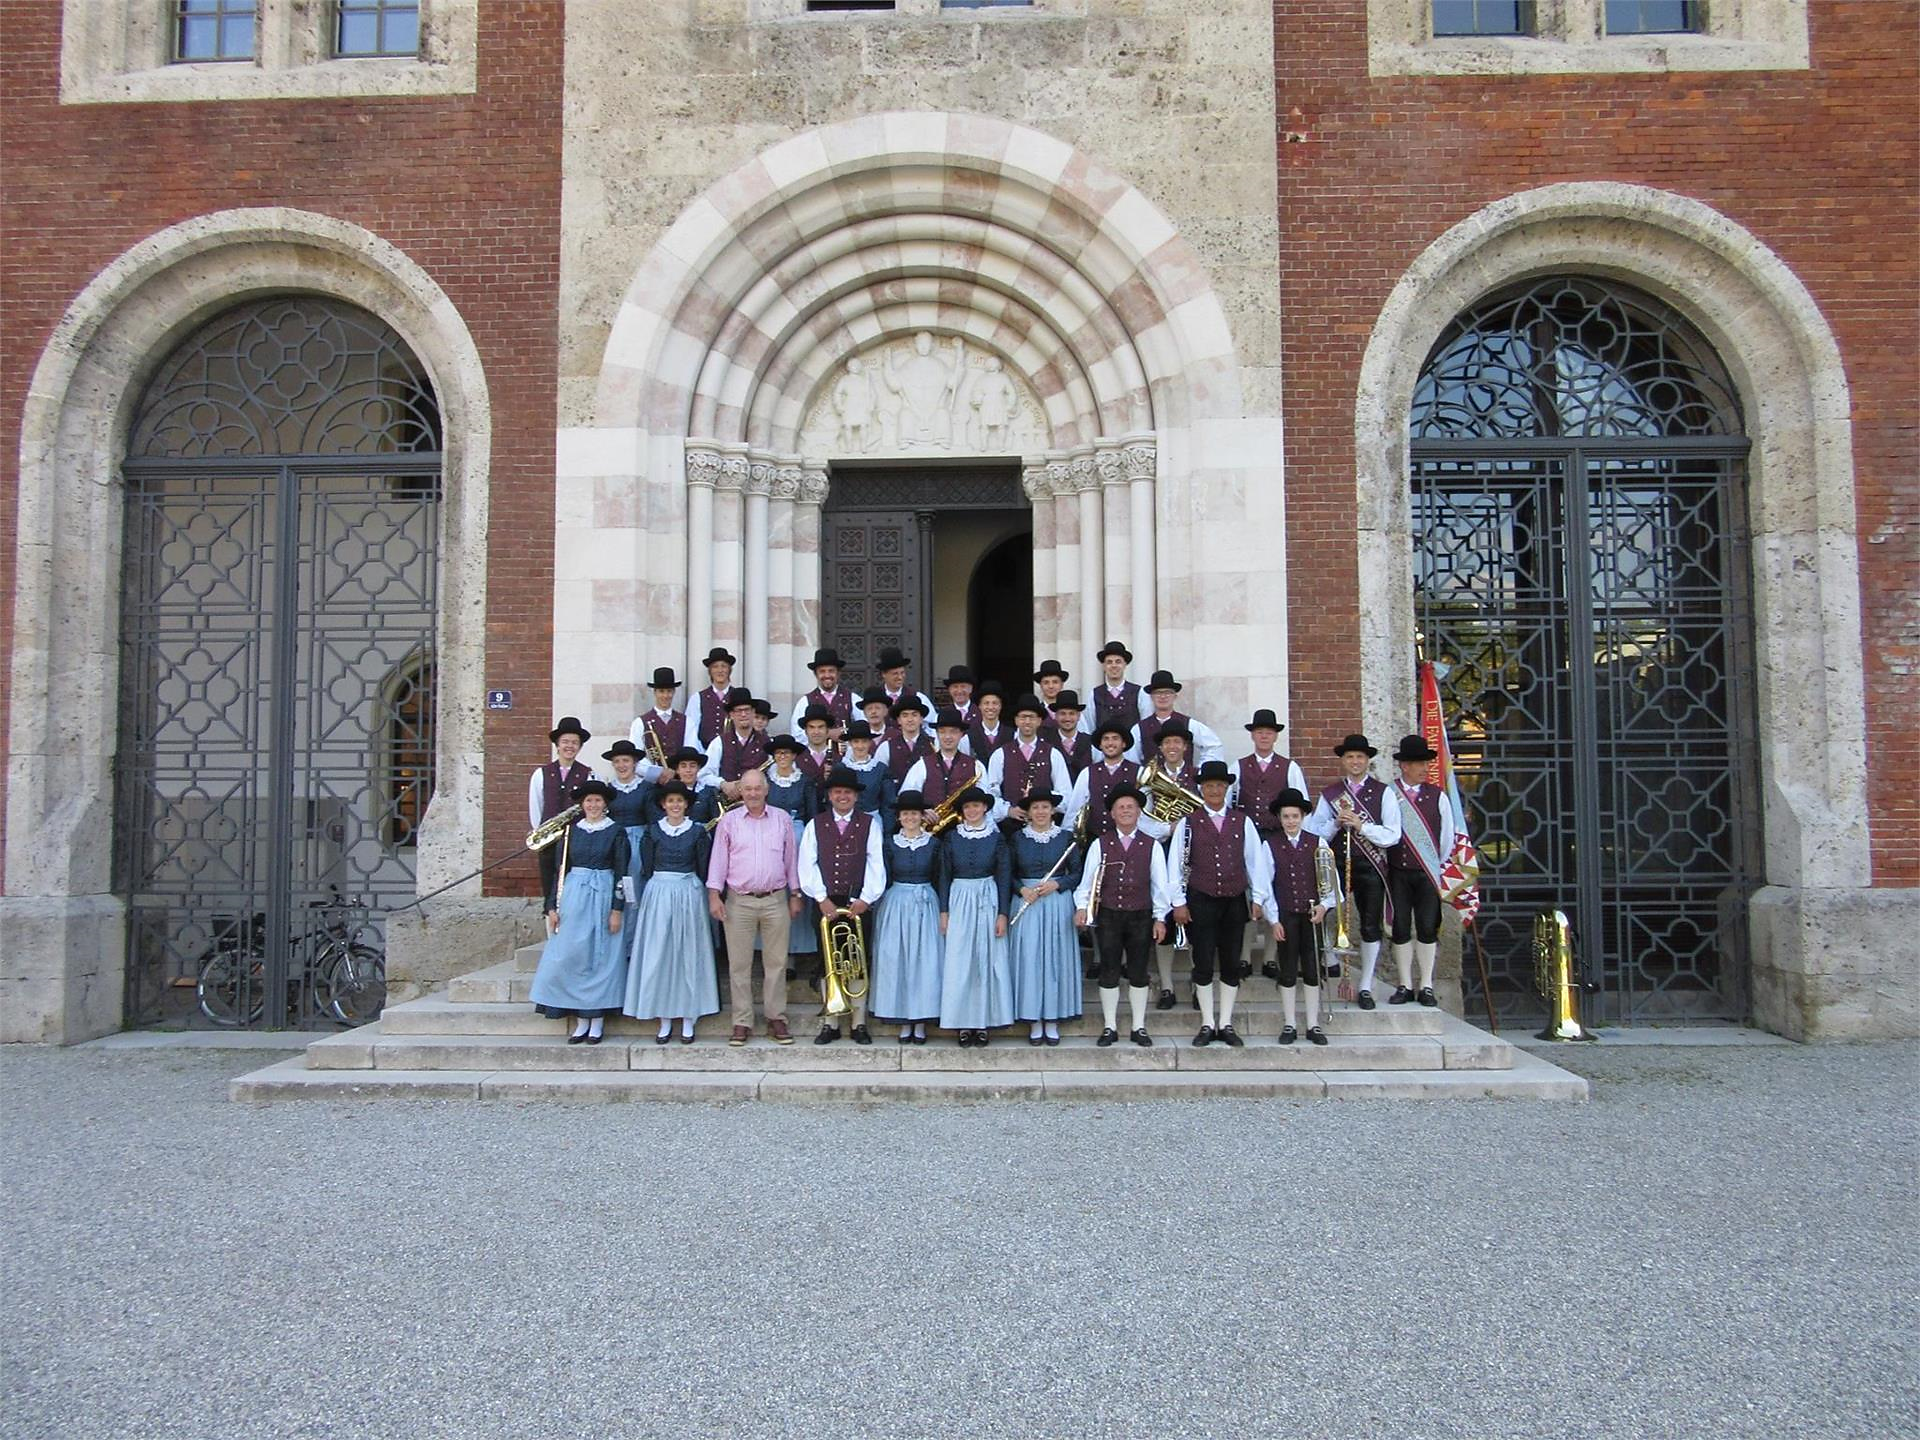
763 918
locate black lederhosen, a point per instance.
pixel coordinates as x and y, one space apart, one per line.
1217 929
1370 895
1298 956
1123 940
1416 906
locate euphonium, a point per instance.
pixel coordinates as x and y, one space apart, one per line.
843 955
1554 977
1167 798
947 813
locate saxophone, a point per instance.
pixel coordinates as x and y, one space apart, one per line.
947 813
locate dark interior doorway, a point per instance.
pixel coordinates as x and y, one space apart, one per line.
1000 613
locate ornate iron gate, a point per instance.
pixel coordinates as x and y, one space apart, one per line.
279 601
1581 568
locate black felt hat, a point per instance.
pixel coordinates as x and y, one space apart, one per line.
619 748
672 787
1125 792
719 652
1049 667
1039 792
785 742
874 695
1162 680
1114 647
949 720
569 725
961 675
1289 796
1175 729
763 707
1356 741
827 656
1265 720
1415 748
858 730
665 679
841 778
909 800
1067 700
1214 770
687 753
909 701
1030 703
592 787
817 712
890 659
739 695
989 687
1113 727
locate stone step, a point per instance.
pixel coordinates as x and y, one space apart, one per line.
372 1047
1531 1077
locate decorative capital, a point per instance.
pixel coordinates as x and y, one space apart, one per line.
1107 462
1085 475
703 467
1141 459
1060 477
760 477
733 473
1033 480
813 485
786 482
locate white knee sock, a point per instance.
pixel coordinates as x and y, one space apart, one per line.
1228 994
597 1027
1137 1002
666 1027
859 1013
1038 1032
1205 995
1110 1007
919 1029
1286 1003
1403 963
686 1025
1369 958
906 1032
1053 1030
1313 1004
1163 955
1426 954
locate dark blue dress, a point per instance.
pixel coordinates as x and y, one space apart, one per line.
975 884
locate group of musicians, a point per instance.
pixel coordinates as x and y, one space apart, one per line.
968 848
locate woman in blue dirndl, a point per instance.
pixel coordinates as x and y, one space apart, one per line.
628 807
975 886
672 974
583 967
906 936
1040 938
791 789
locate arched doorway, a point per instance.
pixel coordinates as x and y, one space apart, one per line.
279 594
1581 569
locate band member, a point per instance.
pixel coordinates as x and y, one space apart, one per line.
841 870
551 787
762 716
628 805
949 769
910 741
892 666
876 784
1413 869
827 691
666 725
685 765
987 732
792 789
1116 697
1027 761
1076 746
582 975
1288 900
907 947
671 975
1043 947
975 885
1356 805
1258 778
960 683
1174 747
740 747
1047 683
713 699
1212 863
1123 898
879 713
753 889
820 754
1162 690
1111 770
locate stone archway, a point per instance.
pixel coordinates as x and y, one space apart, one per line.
1024 253
63 726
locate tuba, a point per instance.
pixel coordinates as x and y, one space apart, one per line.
843 955
1323 880
1167 798
1554 976
947 813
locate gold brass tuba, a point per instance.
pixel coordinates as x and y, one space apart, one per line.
1167 798
1554 977
843 954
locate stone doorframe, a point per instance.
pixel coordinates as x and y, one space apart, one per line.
61 926
1786 365
689 503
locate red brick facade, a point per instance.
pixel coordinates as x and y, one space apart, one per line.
1819 164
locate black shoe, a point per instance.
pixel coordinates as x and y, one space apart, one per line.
1400 996
966 1039
861 1036
1366 1000
1331 970
828 1034
1203 1038
1316 1035
980 1039
579 1039
1427 997
919 1039
596 1039
1165 1002
1227 1035
1288 1034
1036 1040
1052 1040
1140 1037
685 1039
1107 1037
1271 971
662 1039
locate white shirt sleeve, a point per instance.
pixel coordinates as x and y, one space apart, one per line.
1206 744
812 885
875 879
1162 893
916 777
1321 821
1448 829
1387 833
710 772
1062 776
1260 873
1077 797
1252 847
536 792
1297 778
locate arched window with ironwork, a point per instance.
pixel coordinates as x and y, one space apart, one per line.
1582 576
281 549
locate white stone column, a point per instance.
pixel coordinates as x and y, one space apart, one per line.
703 474
783 487
1117 517
1068 606
729 543
1085 481
754 649
1139 459
809 497
1046 604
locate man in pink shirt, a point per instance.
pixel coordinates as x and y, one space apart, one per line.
753 887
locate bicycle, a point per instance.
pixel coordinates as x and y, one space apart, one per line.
345 976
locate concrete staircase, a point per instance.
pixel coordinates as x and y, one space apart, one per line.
479 1038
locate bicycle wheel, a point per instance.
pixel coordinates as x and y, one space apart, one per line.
353 980
232 988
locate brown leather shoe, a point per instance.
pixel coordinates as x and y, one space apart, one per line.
741 1034
778 1029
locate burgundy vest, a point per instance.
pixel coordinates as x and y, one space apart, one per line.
1216 861
1125 709
1127 881
713 715
984 745
1372 799
840 703
672 734
1258 787
1296 889
556 786
943 778
738 756
815 768
843 858
1078 753
1018 774
1151 727
901 756
1427 802
1100 781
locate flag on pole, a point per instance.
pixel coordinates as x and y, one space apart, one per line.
1460 874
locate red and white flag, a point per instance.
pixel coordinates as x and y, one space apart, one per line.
1460 872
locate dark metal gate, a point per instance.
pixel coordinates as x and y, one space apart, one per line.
277 678
1581 569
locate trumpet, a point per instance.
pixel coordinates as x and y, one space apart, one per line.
843 956
656 752
947 813
1167 798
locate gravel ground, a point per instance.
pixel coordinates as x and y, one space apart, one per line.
1723 1243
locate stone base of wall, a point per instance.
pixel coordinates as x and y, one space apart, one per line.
446 937
1836 964
62 968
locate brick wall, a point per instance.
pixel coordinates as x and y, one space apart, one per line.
467 186
1819 164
